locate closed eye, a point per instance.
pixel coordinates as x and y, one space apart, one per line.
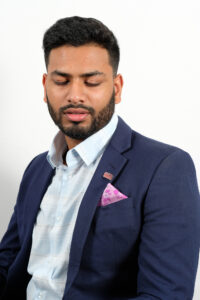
61 82
92 84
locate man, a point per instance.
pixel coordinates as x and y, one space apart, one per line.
107 213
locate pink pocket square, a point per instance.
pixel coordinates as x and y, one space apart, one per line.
111 195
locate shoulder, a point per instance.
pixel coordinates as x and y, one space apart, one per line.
37 160
155 149
38 163
165 162
147 154
142 143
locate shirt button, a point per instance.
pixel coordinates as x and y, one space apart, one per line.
58 218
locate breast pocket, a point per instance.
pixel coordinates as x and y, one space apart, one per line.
112 235
115 216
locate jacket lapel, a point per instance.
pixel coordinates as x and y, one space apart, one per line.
112 161
39 176
39 183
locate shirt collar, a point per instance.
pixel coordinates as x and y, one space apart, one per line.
58 146
88 150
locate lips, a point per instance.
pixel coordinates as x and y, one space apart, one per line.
76 114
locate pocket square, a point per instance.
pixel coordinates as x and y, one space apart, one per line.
111 195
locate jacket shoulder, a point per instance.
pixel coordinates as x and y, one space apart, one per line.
37 160
36 164
152 154
142 150
152 146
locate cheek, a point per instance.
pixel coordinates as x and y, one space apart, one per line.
55 97
100 99
55 93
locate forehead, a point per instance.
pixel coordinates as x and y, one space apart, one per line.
80 59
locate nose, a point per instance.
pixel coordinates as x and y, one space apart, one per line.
75 93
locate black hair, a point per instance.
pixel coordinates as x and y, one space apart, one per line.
78 31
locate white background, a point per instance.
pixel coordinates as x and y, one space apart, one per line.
160 62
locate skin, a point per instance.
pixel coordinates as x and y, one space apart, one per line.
80 76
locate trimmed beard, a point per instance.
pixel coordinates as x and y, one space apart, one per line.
97 122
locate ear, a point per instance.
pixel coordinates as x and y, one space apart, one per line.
44 79
118 84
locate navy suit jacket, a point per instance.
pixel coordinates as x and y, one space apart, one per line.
143 247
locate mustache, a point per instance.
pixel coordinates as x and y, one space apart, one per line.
90 109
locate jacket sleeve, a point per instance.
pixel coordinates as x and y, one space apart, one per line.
170 237
10 243
9 248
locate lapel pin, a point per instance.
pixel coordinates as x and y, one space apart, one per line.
108 175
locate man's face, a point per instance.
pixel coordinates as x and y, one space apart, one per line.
80 89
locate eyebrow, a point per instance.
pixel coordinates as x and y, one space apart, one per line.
89 74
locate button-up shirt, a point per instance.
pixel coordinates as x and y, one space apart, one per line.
53 230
